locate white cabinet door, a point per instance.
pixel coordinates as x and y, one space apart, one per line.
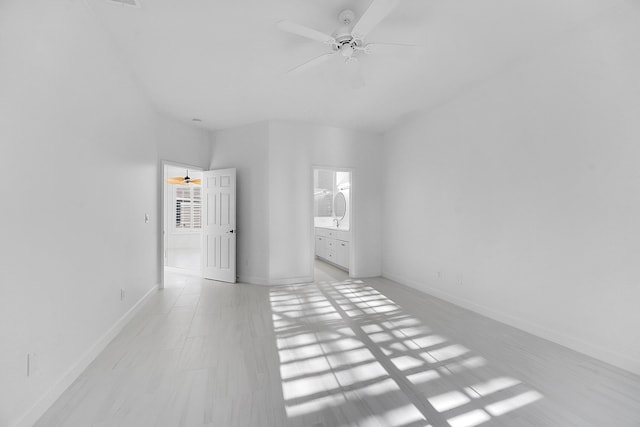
321 248
342 253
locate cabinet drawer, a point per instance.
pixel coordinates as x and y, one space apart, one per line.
333 233
343 235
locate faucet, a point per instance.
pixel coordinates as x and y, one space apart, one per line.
337 222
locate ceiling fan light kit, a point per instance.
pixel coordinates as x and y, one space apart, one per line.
348 40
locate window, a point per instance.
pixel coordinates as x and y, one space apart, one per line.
188 208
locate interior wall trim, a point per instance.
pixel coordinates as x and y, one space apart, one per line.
49 397
598 352
253 280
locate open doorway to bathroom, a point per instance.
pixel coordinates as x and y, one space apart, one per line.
182 219
332 196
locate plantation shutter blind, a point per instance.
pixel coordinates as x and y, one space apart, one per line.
196 211
188 207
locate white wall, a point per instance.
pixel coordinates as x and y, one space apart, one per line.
524 194
290 205
297 148
79 140
181 143
246 149
275 203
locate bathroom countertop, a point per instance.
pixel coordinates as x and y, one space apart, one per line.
328 227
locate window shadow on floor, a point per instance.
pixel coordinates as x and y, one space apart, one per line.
351 356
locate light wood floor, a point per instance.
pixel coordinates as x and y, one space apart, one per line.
185 259
337 352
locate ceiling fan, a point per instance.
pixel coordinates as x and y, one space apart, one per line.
186 180
348 40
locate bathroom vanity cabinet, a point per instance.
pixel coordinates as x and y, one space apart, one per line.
332 245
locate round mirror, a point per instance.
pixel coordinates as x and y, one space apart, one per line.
339 205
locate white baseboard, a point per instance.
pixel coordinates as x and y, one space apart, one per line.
253 280
271 282
49 398
598 352
292 280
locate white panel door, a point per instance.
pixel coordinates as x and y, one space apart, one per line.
219 226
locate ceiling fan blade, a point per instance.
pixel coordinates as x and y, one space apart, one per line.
377 11
195 181
312 63
386 48
175 180
301 30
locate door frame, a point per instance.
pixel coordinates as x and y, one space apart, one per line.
352 222
163 211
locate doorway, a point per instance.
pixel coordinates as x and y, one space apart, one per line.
182 219
333 217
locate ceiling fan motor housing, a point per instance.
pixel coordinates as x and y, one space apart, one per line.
344 40
348 39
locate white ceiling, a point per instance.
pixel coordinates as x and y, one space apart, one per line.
225 61
176 171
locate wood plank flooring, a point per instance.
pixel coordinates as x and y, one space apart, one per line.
336 352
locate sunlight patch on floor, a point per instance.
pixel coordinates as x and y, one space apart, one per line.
469 419
350 354
492 386
447 401
508 405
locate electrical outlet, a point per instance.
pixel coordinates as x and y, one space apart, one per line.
122 294
31 364
146 218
